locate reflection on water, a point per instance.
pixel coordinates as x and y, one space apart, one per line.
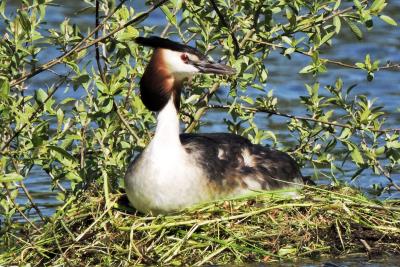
348 261
287 84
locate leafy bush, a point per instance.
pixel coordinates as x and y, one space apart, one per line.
90 140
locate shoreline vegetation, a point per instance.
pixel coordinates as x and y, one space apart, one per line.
262 227
70 108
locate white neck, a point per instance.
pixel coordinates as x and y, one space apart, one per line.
167 131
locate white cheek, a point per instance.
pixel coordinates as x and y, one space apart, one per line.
176 65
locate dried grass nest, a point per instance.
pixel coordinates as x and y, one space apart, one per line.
261 227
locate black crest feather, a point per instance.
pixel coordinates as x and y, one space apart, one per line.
158 42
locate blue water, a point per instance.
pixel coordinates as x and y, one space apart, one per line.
382 43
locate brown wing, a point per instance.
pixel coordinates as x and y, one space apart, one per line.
229 160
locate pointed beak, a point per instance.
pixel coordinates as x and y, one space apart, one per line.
206 66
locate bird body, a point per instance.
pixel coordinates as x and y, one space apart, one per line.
176 170
164 178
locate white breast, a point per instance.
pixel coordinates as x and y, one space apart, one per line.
165 178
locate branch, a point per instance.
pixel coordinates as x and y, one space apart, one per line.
388 66
125 123
273 112
77 48
334 14
202 102
29 196
96 35
387 175
18 208
223 21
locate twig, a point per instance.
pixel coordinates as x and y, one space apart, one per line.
17 207
388 66
137 19
59 59
223 21
96 45
202 102
28 195
129 92
79 237
166 28
222 219
77 48
121 117
366 245
26 192
334 14
387 175
277 113
83 150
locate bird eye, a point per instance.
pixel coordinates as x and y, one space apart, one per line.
185 58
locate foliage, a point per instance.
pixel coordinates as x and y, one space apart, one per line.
90 139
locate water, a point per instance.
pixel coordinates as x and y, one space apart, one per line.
383 43
349 261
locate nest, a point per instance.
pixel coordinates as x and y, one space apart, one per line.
262 227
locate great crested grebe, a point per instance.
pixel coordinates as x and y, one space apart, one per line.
175 170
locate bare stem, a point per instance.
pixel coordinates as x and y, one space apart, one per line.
96 45
302 118
388 66
80 47
224 22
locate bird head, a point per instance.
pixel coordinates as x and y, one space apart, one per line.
171 64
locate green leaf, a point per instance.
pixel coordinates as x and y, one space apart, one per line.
337 23
326 38
354 28
380 150
41 96
289 51
307 69
287 40
356 155
388 20
4 87
377 6
67 100
360 65
357 4
24 20
61 151
170 16
194 29
128 34
3 7
337 4
10 177
346 134
60 118
108 107
393 144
